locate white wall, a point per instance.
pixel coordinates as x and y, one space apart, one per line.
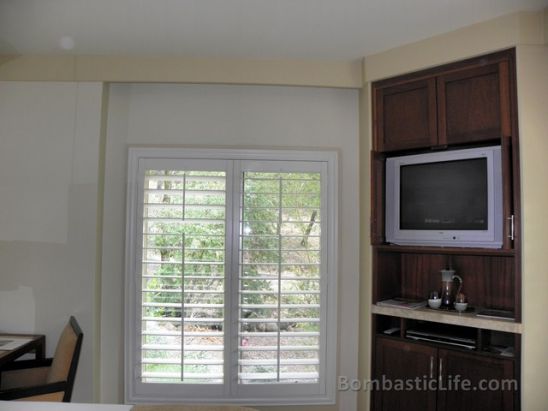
49 141
236 116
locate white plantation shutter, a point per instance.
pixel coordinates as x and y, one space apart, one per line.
183 276
231 280
280 276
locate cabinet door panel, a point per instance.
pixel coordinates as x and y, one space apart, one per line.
472 104
474 368
406 116
404 361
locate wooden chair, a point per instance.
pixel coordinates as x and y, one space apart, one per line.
50 379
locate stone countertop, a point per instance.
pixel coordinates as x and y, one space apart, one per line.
468 319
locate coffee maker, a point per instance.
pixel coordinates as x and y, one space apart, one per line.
448 292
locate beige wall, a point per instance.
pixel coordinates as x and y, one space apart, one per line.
235 116
492 35
49 143
533 124
344 74
508 31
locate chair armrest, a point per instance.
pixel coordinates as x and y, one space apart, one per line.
19 365
19 393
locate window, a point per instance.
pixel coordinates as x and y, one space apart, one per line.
231 276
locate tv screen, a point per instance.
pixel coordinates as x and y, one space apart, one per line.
446 195
445 198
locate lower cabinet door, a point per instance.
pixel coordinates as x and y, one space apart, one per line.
473 382
402 370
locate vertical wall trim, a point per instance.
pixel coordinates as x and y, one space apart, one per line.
99 246
364 350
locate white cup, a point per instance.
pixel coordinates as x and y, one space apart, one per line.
460 307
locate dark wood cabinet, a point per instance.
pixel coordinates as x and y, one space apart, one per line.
406 115
442 379
492 383
461 103
471 103
400 361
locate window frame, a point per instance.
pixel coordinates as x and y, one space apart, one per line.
238 161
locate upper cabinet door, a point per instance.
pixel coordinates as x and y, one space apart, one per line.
465 102
405 116
474 104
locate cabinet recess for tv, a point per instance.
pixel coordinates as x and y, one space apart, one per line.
471 103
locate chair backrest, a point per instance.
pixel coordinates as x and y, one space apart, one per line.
67 354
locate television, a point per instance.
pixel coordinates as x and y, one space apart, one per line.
450 198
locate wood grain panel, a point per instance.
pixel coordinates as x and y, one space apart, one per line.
474 368
386 284
401 360
377 200
421 274
469 105
488 281
405 116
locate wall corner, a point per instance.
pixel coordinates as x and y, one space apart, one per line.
545 24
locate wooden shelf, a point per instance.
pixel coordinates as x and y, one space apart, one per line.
453 318
445 250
